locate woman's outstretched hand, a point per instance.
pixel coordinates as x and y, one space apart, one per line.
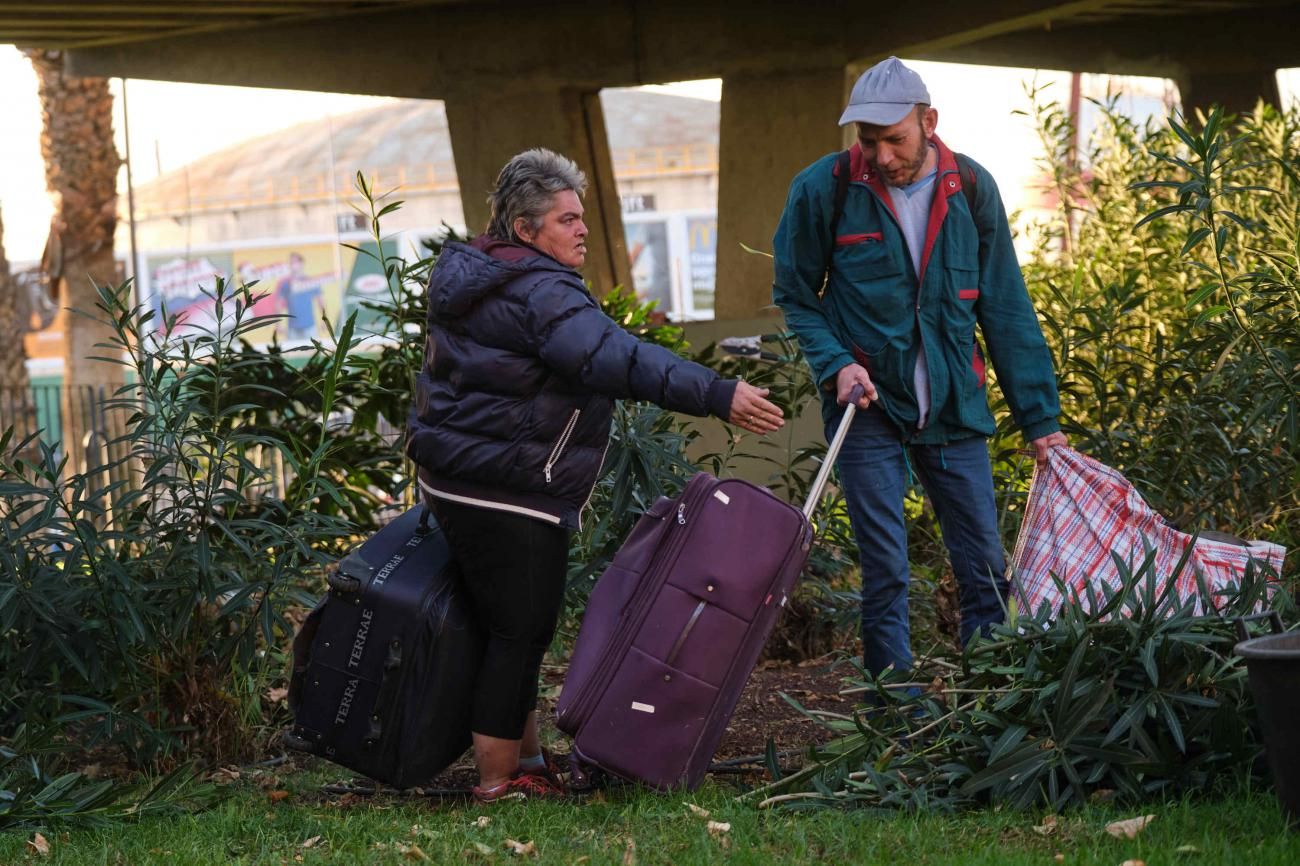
753 413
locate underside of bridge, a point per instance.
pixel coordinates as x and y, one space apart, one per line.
522 74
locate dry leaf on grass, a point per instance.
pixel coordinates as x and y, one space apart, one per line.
276 695
38 844
719 828
696 810
1048 827
481 821
1059 858
1102 795
310 843
629 853
478 848
1130 828
277 795
412 852
521 849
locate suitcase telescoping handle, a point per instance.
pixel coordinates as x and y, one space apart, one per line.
832 452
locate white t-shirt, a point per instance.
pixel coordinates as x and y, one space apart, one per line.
912 205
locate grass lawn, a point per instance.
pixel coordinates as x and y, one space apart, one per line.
636 827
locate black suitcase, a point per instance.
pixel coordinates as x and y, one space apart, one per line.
384 665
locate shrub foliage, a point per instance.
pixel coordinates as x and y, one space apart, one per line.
1130 695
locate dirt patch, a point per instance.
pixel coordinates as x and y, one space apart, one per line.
761 713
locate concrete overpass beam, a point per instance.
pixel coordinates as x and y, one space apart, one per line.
1236 89
488 129
772 126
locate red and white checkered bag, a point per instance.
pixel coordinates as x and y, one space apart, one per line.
1081 511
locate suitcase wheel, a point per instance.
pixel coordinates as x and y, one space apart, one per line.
297 743
585 778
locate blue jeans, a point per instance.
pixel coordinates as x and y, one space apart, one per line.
874 469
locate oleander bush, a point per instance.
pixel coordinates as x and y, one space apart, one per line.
1128 695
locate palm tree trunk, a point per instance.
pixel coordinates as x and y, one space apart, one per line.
81 163
15 386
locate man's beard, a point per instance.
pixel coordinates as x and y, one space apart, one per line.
912 168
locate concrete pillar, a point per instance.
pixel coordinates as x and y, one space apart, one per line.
772 126
1237 90
487 130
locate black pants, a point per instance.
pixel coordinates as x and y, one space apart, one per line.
514 569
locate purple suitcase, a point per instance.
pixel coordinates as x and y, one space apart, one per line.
675 625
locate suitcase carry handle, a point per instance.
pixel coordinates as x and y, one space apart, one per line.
832 452
351 573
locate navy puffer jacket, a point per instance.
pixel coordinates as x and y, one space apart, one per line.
513 405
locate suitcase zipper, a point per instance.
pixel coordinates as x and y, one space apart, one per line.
581 706
560 444
686 632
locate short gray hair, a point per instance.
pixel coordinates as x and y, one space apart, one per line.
526 187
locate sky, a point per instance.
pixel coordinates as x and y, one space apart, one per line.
172 124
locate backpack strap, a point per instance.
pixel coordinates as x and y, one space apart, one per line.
964 170
967 174
837 208
841 191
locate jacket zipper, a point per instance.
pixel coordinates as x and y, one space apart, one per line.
592 490
916 299
560 444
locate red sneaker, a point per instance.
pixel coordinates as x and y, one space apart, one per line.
550 772
522 786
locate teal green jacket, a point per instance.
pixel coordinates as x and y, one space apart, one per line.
876 309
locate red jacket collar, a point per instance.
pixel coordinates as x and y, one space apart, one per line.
860 169
505 251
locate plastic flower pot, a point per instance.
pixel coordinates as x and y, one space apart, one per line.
1273 663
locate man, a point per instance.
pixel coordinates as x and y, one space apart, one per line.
889 300
299 295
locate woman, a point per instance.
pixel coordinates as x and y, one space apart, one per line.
511 418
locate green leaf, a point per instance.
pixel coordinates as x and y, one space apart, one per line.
1201 294
771 760
1161 213
1194 239
1210 313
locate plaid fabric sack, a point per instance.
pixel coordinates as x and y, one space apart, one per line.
1080 512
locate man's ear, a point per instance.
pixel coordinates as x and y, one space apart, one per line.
929 121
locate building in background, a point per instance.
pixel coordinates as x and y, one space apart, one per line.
284 209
